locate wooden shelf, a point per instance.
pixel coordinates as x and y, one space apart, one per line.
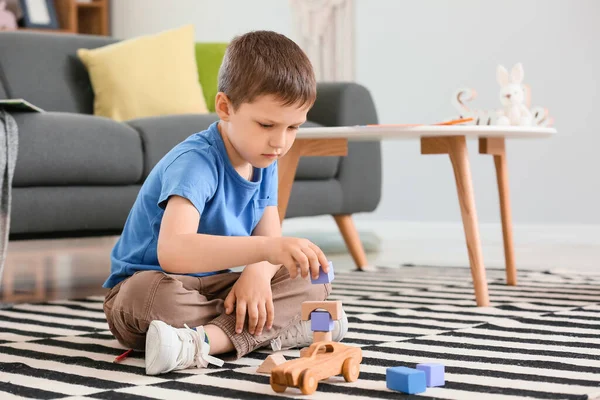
85 18
45 30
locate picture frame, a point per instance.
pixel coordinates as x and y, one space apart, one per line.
39 14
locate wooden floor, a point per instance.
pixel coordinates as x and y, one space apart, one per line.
41 270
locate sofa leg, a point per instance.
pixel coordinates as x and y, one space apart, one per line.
346 225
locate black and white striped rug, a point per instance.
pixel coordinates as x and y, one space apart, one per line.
540 339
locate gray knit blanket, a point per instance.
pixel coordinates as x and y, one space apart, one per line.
9 145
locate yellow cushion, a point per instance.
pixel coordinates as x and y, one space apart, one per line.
146 76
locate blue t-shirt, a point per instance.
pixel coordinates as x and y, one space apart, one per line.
198 169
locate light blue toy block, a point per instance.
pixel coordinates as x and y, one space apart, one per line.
324 277
320 321
406 380
434 374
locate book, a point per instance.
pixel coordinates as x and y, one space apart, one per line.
19 105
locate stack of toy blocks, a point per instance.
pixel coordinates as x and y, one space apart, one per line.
322 313
321 321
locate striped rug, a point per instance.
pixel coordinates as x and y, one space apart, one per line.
539 340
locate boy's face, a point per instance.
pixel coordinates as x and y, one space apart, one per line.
262 131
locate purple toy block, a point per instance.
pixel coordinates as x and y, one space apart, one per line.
434 374
406 380
324 277
320 321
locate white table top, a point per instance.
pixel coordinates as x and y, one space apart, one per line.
382 132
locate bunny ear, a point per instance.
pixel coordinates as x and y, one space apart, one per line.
517 73
502 75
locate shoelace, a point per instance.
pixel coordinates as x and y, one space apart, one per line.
296 331
196 353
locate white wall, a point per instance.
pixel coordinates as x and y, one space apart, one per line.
214 21
412 55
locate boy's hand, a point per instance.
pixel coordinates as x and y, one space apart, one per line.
251 294
296 252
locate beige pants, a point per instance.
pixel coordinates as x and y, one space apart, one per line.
131 305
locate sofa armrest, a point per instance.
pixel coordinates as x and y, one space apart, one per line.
343 104
359 173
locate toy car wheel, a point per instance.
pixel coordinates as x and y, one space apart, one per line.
276 386
350 370
308 382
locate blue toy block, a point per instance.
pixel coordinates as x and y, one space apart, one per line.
320 321
434 374
406 380
324 277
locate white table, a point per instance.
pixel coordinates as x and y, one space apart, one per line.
435 139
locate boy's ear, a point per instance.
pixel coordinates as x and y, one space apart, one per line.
223 106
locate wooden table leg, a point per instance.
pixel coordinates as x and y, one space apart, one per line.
456 148
288 164
497 147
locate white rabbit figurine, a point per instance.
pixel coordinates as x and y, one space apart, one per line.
512 97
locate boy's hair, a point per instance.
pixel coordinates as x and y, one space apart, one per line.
264 62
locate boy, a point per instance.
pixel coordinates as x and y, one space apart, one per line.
211 204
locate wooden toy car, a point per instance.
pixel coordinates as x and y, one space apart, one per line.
322 360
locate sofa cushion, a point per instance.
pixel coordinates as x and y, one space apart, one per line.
29 59
55 211
208 58
73 149
161 134
310 198
3 94
146 76
317 168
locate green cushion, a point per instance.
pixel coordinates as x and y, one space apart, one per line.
208 58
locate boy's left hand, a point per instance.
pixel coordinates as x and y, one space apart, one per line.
251 294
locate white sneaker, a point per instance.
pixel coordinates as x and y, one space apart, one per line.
169 348
301 335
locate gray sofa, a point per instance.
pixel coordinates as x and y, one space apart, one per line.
78 175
